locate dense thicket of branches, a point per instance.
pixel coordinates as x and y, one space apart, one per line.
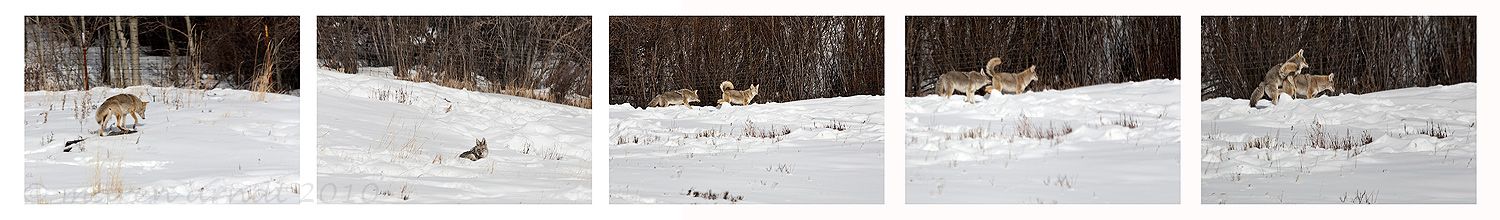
1367 53
79 52
791 58
1067 51
492 54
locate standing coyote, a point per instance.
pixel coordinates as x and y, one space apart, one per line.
480 150
675 97
741 97
966 82
1014 83
1307 85
1271 84
119 106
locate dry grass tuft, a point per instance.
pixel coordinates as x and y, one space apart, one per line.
622 140
973 133
107 176
1321 139
711 195
1026 129
1360 197
1063 181
404 145
1126 121
1263 142
773 132
1435 130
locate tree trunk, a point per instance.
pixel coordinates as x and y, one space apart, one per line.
173 74
33 55
192 53
398 62
83 38
122 66
350 61
135 51
116 70
107 57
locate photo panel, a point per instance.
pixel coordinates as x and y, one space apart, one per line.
1340 110
222 93
1043 109
455 109
757 109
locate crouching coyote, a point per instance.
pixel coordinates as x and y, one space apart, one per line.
479 151
1014 83
119 106
966 82
1307 85
1271 84
741 97
674 97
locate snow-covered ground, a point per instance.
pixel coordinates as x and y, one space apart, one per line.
827 150
1069 146
1399 164
195 146
382 140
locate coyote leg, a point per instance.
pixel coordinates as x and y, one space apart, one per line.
1275 97
120 123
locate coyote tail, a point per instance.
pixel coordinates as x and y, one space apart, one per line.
943 87
726 86
1255 96
989 66
655 102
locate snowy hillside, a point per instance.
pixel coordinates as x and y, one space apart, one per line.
195 146
826 150
1112 143
1412 145
382 140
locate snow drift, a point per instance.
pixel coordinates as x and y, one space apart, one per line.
827 150
196 146
1109 143
383 140
1412 145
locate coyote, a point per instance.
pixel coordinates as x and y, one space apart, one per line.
1014 83
741 97
675 97
479 151
119 106
1307 85
1271 84
966 82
